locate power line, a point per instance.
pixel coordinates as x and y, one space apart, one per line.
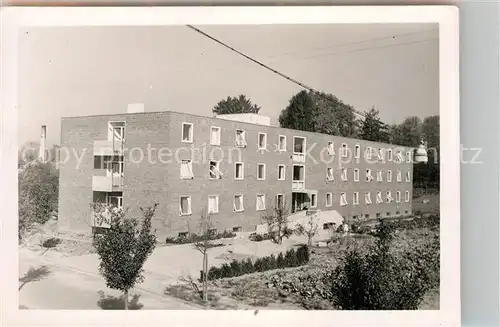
353 43
362 114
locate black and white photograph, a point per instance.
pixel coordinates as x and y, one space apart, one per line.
237 166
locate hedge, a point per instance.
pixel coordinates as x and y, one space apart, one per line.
290 258
192 238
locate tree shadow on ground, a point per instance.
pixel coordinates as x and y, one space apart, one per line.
109 302
34 275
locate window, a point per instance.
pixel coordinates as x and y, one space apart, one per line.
367 215
238 170
314 200
282 143
240 141
344 150
389 155
185 205
213 203
398 196
389 198
399 176
299 144
281 172
368 198
389 176
355 198
369 176
408 176
187 132
214 171
356 175
280 201
381 154
238 203
388 214
115 199
397 212
261 171
379 197
237 229
355 216
262 141
406 211
261 202
343 199
331 149
329 174
186 169
379 175
298 172
407 196
214 135
378 215
368 152
116 131
408 156
399 156
344 174
357 151
329 199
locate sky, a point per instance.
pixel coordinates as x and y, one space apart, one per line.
79 71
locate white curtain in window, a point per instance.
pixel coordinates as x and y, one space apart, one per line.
379 197
379 175
260 202
186 169
185 205
398 176
368 199
329 174
344 174
212 204
238 203
214 138
343 199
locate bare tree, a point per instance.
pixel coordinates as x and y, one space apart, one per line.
204 243
310 229
276 219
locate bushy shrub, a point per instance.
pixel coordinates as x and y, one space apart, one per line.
259 238
193 238
384 280
51 242
292 258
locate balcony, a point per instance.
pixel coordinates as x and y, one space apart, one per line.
111 183
108 148
298 185
299 157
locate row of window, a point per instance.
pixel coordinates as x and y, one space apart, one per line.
299 144
186 172
260 203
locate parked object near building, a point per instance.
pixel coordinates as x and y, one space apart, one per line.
234 167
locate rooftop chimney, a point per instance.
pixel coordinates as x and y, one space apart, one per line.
133 108
43 137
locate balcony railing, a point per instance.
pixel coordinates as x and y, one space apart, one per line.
298 185
108 148
299 157
111 183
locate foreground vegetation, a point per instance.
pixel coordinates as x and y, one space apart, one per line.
395 267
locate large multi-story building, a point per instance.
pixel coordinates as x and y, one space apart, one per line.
232 166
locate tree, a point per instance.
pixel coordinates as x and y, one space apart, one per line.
38 194
408 133
124 247
372 128
235 105
203 245
322 113
310 229
383 279
276 219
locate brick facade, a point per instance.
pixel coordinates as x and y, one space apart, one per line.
150 181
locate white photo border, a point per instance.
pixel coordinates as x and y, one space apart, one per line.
12 19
